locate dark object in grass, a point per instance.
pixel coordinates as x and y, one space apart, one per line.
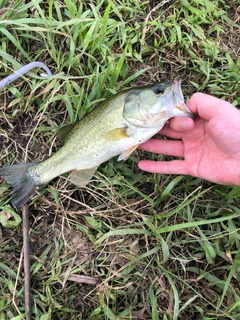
26 256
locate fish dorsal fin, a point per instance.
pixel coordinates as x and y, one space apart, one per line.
117 134
81 177
125 154
64 131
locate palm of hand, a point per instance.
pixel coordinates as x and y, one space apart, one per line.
212 149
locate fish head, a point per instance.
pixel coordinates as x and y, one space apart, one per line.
152 106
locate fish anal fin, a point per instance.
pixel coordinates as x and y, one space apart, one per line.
125 154
117 134
64 131
81 177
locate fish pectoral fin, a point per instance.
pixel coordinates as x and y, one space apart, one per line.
64 131
125 154
81 177
117 134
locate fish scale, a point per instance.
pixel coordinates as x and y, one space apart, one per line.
86 146
115 127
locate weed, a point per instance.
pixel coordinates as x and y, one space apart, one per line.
130 245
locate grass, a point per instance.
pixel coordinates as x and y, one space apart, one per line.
153 247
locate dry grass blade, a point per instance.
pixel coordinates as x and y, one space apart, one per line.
82 279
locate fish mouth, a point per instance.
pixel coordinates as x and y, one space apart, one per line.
176 102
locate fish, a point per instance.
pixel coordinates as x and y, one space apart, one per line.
117 126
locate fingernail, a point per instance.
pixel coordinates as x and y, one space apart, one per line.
185 124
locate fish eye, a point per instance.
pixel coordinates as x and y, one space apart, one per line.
158 89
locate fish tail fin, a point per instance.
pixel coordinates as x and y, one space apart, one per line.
22 182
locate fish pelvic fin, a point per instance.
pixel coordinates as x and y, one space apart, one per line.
125 154
81 177
22 183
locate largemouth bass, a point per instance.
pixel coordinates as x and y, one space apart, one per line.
116 127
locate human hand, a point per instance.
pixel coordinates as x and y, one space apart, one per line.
210 147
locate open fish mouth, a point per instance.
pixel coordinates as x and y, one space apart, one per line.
175 102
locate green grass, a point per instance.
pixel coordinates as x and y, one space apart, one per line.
158 247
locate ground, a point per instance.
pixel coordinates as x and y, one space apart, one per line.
130 245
